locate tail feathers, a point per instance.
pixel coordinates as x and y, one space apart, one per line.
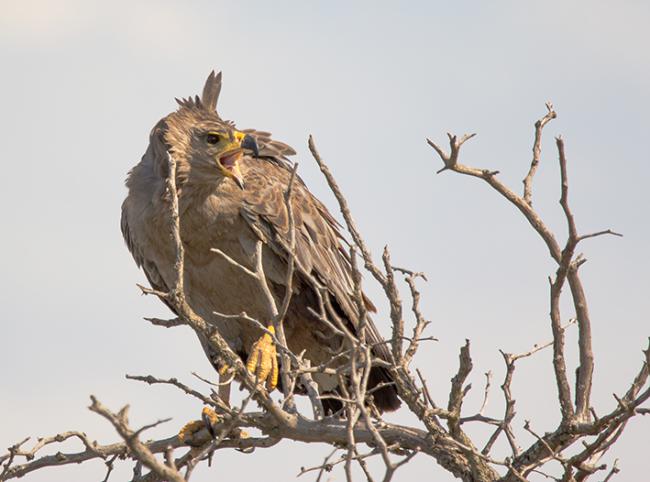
385 398
331 406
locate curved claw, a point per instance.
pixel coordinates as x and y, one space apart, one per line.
263 360
209 418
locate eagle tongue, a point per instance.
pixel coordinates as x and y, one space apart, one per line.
228 161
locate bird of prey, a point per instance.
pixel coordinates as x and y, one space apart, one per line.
231 185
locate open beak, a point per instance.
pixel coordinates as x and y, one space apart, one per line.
229 162
237 177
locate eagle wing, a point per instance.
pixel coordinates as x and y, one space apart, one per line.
318 243
320 249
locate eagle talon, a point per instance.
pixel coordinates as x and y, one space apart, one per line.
263 360
209 418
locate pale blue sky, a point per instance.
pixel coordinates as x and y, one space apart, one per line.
84 82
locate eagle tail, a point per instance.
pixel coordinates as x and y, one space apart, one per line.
384 398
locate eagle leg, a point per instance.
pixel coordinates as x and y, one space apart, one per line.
263 360
225 379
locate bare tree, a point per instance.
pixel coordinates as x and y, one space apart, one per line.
576 445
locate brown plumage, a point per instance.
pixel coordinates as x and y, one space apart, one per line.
231 205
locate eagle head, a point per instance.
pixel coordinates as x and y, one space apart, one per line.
206 147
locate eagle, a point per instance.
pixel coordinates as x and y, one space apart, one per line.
231 187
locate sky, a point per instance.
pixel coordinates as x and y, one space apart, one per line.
83 82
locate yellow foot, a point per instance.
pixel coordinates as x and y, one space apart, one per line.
263 360
209 419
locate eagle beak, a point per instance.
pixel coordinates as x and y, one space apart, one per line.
229 162
248 142
236 176
229 165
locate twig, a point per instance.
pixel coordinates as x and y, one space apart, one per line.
151 380
457 392
488 378
137 448
537 152
450 160
614 470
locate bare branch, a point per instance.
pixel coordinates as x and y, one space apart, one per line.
140 450
488 378
490 177
151 380
457 390
450 160
166 323
537 152
586 368
420 322
614 470
599 233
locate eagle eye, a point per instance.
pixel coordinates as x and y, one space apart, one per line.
212 138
